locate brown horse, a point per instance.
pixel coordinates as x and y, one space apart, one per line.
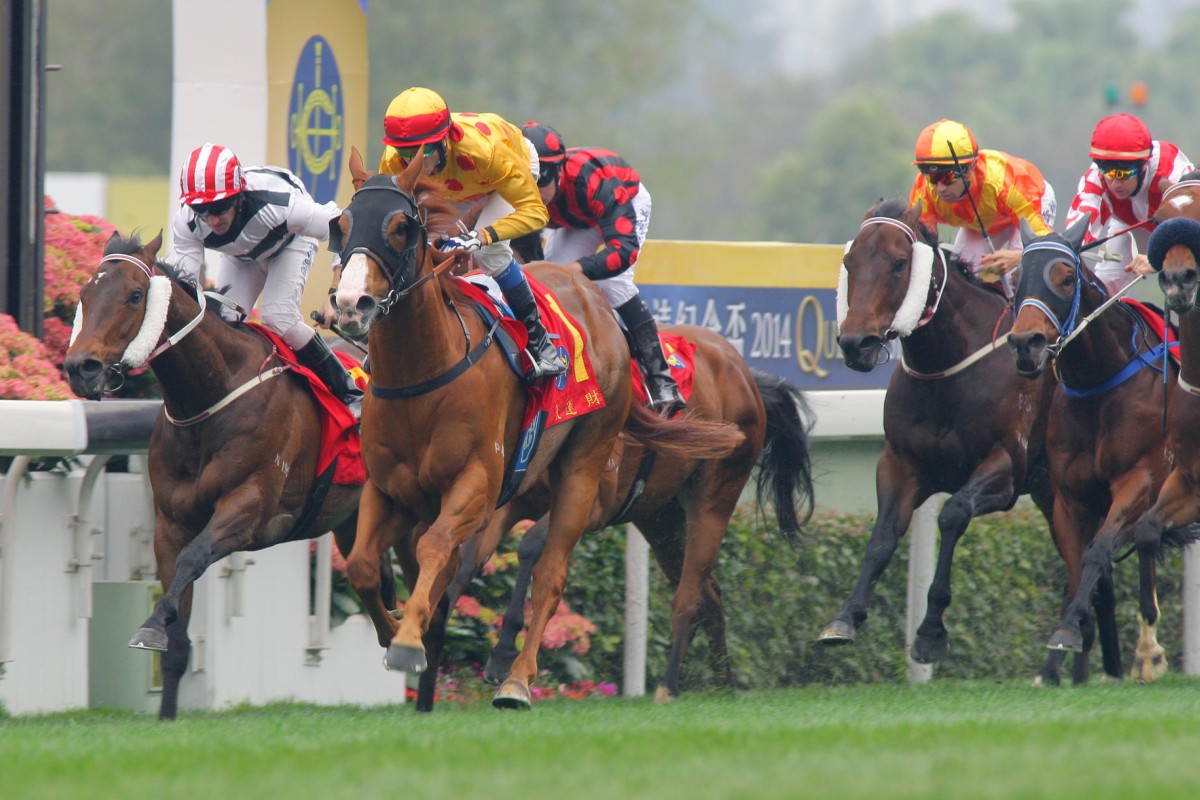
957 417
439 427
214 468
1173 250
1108 457
684 505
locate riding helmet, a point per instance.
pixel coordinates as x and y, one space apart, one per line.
211 173
416 116
935 143
546 141
1120 137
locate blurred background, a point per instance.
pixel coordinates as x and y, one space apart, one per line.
776 120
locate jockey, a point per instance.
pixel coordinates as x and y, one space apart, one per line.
985 188
265 226
599 213
1123 187
471 156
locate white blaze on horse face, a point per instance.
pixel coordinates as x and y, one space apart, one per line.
1181 202
352 286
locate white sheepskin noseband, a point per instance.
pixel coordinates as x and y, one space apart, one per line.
920 274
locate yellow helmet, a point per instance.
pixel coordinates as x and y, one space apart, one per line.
935 143
416 116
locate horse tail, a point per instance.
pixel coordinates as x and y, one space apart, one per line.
683 435
785 469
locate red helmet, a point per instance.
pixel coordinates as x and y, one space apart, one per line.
1121 137
546 141
211 173
416 116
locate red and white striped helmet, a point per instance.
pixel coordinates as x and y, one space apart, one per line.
211 173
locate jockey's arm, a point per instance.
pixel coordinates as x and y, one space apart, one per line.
306 217
529 213
187 247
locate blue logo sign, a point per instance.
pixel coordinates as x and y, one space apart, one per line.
316 123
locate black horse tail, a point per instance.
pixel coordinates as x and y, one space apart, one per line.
785 469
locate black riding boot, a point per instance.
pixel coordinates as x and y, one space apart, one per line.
647 349
546 362
317 356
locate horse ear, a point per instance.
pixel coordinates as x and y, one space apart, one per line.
154 245
358 173
1027 234
913 215
408 178
114 237
1074 234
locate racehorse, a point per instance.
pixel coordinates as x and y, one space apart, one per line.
233 457
439 427
685 505
957 417
1107 454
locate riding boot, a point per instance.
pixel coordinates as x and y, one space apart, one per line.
647 349
546 361
317 356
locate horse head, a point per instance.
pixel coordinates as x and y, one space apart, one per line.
885 283
382 238
119 318
1048 296
1174 252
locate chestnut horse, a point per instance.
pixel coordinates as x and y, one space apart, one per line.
439 427
214 468
957 418
1108 457
684 505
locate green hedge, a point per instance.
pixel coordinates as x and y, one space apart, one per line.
1007 586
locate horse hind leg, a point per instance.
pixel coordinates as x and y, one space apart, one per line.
499 664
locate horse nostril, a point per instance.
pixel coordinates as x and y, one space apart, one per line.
89 367
365 304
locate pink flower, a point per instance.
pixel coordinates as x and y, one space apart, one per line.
467 607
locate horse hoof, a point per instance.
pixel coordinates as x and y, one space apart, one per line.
494 672
513 694
837 632
662 696
403 658
930 650
1063 639
1148 669
149 639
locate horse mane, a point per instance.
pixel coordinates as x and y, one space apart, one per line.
895 208
132 246
443 217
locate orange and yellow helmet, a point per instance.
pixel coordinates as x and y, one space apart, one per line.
935 143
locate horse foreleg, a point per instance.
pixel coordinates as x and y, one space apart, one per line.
990 488
237 516
573 498
380 525
1129 500
1071 525
529 550
898 493
464 512
175 659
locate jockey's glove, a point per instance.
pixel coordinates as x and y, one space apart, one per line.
470 242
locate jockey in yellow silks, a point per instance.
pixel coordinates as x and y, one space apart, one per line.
1002 189
471 156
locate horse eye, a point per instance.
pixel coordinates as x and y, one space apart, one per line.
135 297
899 265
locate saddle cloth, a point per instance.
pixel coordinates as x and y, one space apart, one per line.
1154 318
681 356
340 436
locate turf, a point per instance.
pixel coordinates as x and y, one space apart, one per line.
939 740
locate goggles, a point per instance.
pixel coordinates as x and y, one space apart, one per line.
409 153
1120 173
214 209
548 175
940 175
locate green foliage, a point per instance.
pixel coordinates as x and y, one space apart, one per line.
1008 582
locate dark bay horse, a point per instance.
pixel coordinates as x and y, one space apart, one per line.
1108 456
1174 250
225 478
957 417
686 504
440 427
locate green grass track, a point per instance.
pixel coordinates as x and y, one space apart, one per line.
940 740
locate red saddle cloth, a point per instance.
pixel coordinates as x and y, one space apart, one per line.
568 396
340 436
1154 318
681 356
